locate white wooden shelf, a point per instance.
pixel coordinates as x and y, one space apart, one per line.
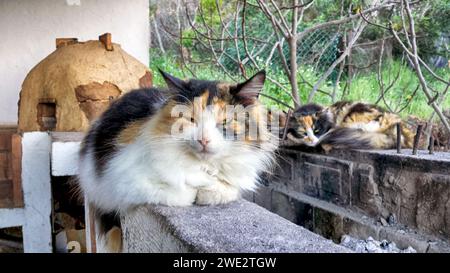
44 154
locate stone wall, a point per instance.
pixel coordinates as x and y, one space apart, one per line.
402 198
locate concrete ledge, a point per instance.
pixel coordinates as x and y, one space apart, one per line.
236 227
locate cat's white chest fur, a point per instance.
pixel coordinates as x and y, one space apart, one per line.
372 126
146 172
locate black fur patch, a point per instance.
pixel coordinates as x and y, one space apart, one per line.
133 106
107 221
360 108
341 104
307 109
195 88
322 125
346 138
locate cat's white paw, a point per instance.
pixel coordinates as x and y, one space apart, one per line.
180 198
205 177
209 170
219 193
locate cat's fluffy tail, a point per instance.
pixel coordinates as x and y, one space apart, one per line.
350 138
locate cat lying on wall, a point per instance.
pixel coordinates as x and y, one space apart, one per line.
346 124
175 147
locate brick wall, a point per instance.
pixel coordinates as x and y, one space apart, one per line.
10 153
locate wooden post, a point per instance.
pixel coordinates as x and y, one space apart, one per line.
431 141
399 139
431 147
288 116
417 138
106 39
16 168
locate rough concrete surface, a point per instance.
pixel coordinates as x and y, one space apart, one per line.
240 226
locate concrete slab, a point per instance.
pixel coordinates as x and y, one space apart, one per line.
240 226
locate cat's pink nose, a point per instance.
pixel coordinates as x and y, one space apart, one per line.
204 142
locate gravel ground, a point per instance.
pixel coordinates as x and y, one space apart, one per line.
371 245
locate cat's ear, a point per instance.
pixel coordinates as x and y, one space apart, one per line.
249 90
171 81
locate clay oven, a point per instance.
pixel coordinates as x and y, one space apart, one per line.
75 83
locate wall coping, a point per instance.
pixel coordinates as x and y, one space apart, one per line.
438 162
439 156
239 226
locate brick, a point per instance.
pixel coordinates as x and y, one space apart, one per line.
6 189
328 224
365 193
5 173
305 216
5 141
325 178
285 206
433 206
16 169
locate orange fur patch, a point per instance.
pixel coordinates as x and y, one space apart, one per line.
165 120
306 121
130 133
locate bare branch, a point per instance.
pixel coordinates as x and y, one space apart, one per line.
324 76
298 6
283 20
302 34
273 19
417 67
293 54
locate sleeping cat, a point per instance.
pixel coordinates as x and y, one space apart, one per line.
175 147
346 124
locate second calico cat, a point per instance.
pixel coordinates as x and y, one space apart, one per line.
346 124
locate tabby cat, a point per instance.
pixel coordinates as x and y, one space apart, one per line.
346 124
169 147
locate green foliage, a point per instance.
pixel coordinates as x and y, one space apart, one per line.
171 65
363 88
315 53
188 36
433 25
210 13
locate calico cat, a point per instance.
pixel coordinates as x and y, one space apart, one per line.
347 124
174 147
